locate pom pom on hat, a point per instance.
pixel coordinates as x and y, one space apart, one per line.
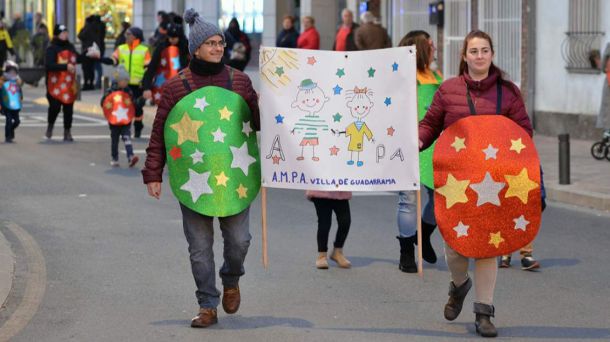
200 30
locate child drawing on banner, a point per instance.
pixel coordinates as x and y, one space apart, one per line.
359 103
310 99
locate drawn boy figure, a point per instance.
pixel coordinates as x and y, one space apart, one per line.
359 103
310 99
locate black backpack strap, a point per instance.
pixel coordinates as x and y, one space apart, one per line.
185 82
499 97
230 80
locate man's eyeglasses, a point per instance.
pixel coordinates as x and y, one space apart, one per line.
214 43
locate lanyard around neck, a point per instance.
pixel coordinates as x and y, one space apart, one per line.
473 111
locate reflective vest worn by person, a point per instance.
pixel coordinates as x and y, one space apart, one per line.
134 58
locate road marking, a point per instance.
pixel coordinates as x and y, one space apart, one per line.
135 152
92 137
36 280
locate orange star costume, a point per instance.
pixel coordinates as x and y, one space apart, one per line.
118 108
487 181
61 85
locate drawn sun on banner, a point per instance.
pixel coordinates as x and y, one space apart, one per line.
339 120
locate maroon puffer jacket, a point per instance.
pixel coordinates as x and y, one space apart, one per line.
450 104
174 91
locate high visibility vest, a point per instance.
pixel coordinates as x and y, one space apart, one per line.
134 62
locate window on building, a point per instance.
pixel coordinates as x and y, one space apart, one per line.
249 14
502 21
409 15
112 14
457 26
581 47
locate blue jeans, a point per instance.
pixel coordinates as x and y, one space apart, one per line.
12 121
199 232
407 214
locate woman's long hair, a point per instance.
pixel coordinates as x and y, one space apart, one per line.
478 34
420 40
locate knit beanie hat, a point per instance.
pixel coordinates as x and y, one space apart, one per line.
137 32
59 28
120 73
200 30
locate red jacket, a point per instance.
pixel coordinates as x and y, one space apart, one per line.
450 104
310 39
174 91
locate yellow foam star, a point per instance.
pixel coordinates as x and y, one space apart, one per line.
459 144
61 60
187 129
520 186
516 145
495 239
225 114
108 105
454 191
117 98
242 191
222 179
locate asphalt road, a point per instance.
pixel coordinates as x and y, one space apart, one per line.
116 266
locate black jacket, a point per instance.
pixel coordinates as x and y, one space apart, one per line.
56 47
287 39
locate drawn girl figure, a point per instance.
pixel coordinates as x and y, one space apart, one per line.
359 103
310 99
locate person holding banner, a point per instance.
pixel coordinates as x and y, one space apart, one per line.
480 88
214 170
428 82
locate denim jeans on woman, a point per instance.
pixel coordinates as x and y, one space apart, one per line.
407 211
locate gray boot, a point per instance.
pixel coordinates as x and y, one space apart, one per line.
67 135
456 299
482 322
49 132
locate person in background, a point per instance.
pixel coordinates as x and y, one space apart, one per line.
310 38
162 17
428 81
237 53
371 35
88 36
120 39
6 43
288 35
11 97
101 43
40 42
344 38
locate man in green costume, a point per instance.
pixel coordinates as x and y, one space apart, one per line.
204 131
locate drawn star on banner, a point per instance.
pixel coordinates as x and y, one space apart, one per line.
121 113
246 129
221 179
490 152
520 186
197 156
276 160
388 101
219 135
311 60
391 131
242 191
521 223
201 104
459 144
337 117
241 158
225 114
279 119
371 72
495 239
517 145
337 90
334 150
340 72
395 66
187 129
487 190
454 191
197 184
461 229
279 71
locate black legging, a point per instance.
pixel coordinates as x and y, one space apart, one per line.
54 109
88 66
136 92
324 209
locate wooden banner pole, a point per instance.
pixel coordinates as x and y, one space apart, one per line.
264 222
420 264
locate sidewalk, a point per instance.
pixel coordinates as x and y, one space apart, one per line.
7 268
590 178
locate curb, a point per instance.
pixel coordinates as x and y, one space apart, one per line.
7 269
568 194
94 109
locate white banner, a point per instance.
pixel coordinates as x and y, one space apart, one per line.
339 120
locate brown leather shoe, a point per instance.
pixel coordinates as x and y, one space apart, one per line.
205 318
231 299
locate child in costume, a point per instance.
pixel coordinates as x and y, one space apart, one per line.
11 96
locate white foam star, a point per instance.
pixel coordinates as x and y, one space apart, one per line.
121 113
219 136
246 128
56 91
521 223
241 158
53 79
197 156
157 96
163 62
201 104
68 78
461 229
487 190
490 152
197 184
